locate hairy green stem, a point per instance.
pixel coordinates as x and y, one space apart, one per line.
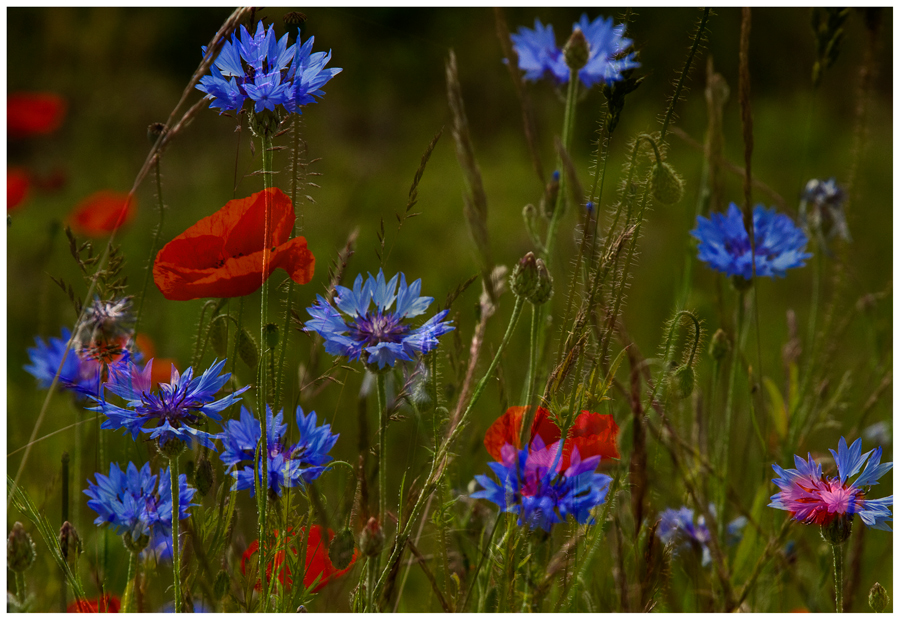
20 587
729 403
838 557
130 584
382 449
568 125
176 551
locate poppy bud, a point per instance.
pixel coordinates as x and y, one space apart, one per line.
668 187
220 587
719 345
372 538
170 449
878 598
204 476
247 349
681 383
524 279
838 531
577 51
218 336
69 542
135 545
340 551
20 549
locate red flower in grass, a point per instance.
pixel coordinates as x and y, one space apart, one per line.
102 212
17 183
108 604
222 255
593 433
318 564
29 114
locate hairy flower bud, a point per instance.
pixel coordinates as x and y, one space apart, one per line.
218 337
681 383
171 448
371 540
544 290
524 279
719 345
341 549
20 549
878 598
204 476
577 51
837 532
667 185
70 542
247 349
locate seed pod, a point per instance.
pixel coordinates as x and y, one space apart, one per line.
340 552
878 598
20 549
247 349
204 476
667 185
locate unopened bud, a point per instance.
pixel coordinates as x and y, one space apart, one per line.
577 51
218 337
878 598
544 290
668 187
247 349
271 336
341 549
524 279
682 382
372 538
20 549
220 587
837 532
135 545
171 448
719 345
70 542
204 476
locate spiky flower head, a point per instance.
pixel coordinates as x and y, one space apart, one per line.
380 336
138 504
171 411
725 243
106 328
814 498
269 72
607 55
533 484
20 549
289 464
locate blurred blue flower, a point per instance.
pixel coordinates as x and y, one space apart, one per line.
176 407
269 72
289 465
822 211
379 336
725 243
132 503
539 57
679 526
533 485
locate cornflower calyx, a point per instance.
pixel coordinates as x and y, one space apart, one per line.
577 51
20 549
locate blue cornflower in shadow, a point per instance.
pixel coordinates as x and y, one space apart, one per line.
135 507
539 56
173 410
289 464
679 526
267 71
725 243
379 336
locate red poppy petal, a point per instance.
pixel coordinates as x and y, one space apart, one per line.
107 604
17 184
29 114
243 222
102 212
594 434
507 430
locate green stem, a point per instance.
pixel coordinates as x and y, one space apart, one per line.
176 551
838 556
20 587
382 451
130 583
371 573
532 357
153 244
729 403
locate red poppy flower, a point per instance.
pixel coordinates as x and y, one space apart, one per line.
593 433
108 604
161 371
29 114
318 564
17 183
222 255
102 212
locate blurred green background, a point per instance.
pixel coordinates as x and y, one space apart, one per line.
122 69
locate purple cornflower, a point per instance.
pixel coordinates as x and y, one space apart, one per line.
725 243
132 504
811 497
679 525
175 408
267 71
379 336
533 485
539 57
289 465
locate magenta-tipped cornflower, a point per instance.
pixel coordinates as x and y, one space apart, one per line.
132 504
267 71
533 485
289 464
173 410
380 336
725 243
812 497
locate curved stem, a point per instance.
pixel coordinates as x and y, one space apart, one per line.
176 551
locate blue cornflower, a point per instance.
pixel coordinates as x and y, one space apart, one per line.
679 525
267 71
289 465
132 504
813 498
534 485
539 56
379 336
725 243
176 408
822 211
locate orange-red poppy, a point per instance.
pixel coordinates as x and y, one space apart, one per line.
593 434
318 564
17 184
102 212
29 114
161 371
108 604
222 255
